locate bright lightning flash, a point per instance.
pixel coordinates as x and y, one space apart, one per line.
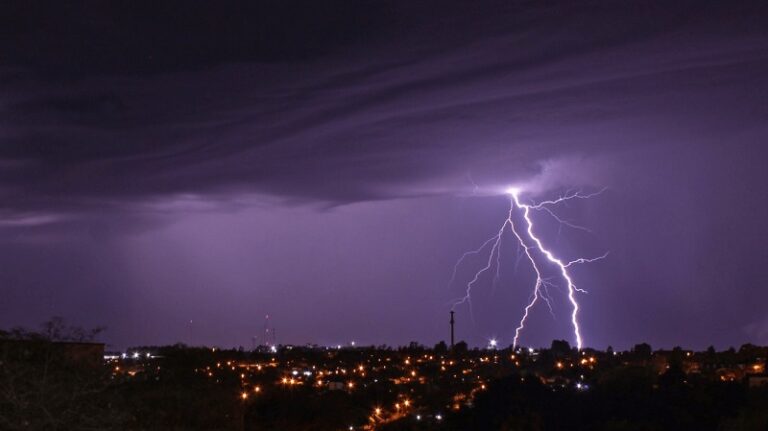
513 191
533 248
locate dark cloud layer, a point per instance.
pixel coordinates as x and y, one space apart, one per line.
122 117
291 101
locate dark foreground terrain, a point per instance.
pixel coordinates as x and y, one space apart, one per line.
55 380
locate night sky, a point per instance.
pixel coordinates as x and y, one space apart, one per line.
176 171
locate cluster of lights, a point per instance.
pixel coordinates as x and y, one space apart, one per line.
332 372
335 373
466 376
134 355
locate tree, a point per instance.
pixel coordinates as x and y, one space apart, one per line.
642 350
441 347
461 347
414 347
42 388
560 348
57 330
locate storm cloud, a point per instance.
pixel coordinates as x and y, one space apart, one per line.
137 118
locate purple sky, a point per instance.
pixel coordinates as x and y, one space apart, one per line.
328 164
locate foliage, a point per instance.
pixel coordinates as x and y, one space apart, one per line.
41 388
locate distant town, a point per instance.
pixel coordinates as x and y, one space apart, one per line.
414 387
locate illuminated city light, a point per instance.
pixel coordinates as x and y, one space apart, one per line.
474 372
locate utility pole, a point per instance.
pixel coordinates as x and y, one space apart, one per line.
452 329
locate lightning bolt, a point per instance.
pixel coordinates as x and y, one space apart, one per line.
531 246
467 298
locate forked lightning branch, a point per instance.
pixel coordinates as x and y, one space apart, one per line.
536 253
